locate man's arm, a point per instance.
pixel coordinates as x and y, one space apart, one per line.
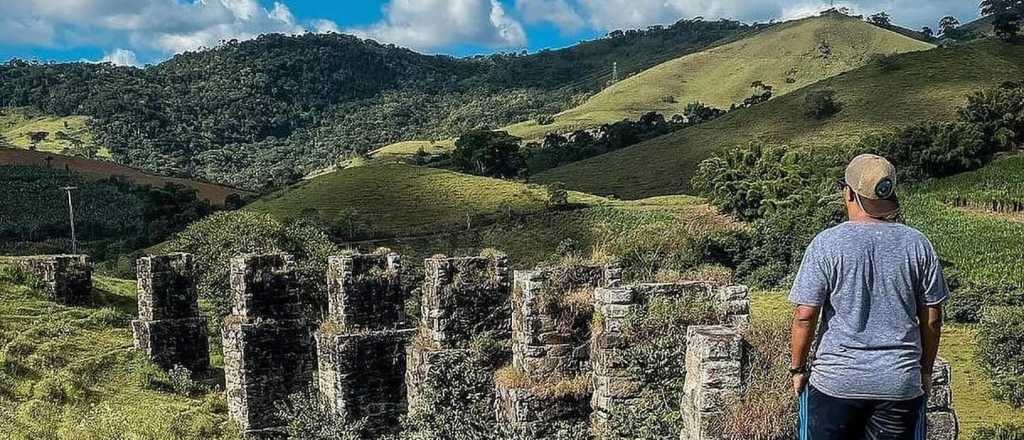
930 320
805 321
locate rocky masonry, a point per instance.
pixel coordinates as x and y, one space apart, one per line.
551 314
361 354
170 329
267 344
462 298
942 422
714 368
66 278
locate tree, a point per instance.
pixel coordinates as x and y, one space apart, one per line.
1007 15
35 137
488 153
928 32
820 104
880 19
558 197
948 23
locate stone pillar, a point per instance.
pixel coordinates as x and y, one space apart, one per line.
462 298
67 279
551 316
361 354
466 297
942 421
613 385
543 344
266 342
735 304
714 357
170 329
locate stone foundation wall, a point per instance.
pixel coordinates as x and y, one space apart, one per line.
361 355
544 343
267 343
170 329
714 368
66 278
464 298
614 386
531 415
942 422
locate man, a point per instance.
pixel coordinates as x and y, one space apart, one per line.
878 289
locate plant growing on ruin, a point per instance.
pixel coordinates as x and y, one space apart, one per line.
1001 352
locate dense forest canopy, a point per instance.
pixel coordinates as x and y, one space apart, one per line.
262 112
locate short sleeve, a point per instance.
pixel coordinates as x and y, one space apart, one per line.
934 290
813 281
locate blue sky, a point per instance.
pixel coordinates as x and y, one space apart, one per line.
148 31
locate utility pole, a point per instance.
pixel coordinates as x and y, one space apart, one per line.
71 216
615 72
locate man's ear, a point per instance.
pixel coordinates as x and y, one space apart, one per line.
848 194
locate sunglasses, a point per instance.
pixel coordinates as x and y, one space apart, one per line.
841 184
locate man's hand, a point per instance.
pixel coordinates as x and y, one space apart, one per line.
799 383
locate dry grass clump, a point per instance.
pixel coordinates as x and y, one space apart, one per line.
767 410
712 273
510 377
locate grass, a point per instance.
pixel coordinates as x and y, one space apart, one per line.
392 199
101 169
721 76
926 86
71 373
974 405
16 124
987 246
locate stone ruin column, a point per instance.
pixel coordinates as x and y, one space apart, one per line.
361 351
67 279
266 341
942 421
714 368
461 298
548 348
170 329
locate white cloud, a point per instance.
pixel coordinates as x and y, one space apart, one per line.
325 26
434 24
557 12
121 57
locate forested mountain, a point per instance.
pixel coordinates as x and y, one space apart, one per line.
261 112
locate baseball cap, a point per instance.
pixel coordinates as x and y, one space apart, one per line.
873 179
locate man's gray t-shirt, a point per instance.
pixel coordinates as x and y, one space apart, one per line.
869 279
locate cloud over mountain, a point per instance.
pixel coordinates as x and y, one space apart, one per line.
433 24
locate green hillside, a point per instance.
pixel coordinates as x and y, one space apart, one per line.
976 220
63 135
391 199
918 86
787 57
71 373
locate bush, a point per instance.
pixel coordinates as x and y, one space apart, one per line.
821 104
968 301
887 63
216 239
999 432
930 149
1001 352
311 418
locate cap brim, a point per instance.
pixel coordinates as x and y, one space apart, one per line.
881 208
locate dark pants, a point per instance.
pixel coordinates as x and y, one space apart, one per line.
823 417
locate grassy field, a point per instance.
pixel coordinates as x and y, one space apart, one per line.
975 408
925 86
101 169
787 57
16 124
392 199
71 373
987 245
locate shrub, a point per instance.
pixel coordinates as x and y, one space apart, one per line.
887 63
999 432
181 382
821 104
930 150
968 301
311 418
1001 352
999 113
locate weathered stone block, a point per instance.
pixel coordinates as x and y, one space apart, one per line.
530 415
942 421
363 375
264 286
265 361
66 278
466 297
364 291
166 287
714 357
173 342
